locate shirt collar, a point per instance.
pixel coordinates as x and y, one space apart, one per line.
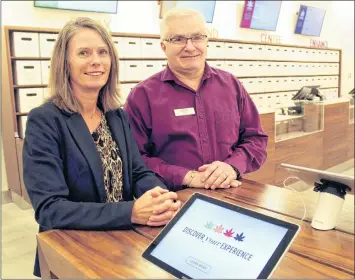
167 74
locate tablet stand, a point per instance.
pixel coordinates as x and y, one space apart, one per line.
330 201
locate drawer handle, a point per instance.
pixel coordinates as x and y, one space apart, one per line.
31 94
148 43
133 66
149 65
29 67
50 40
132 43
26 39
116 42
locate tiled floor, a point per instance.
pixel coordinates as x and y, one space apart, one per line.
19 236
19 230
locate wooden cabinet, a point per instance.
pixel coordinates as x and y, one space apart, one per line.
335 144
267 172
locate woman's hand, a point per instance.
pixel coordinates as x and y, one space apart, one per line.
158 203
164 212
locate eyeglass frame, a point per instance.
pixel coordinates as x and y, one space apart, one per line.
187 39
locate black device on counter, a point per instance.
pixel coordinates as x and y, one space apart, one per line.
308 93
294 110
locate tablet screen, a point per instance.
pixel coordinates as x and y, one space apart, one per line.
210 240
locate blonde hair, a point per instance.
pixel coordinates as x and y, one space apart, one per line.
60 91
177 12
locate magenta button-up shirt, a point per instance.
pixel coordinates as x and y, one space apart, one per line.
225 126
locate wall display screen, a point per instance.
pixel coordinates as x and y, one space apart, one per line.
262 15
88 6
205 7
310 21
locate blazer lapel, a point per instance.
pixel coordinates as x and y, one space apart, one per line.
83 138
117 131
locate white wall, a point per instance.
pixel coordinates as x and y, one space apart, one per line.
142 17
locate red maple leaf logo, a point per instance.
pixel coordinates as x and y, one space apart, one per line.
229 232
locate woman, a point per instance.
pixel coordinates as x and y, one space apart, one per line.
82 167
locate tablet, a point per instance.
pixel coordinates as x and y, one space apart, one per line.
310 176
209 238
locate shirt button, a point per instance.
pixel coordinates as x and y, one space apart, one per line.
201 116
197 94
204 139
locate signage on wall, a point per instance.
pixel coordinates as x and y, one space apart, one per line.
212 33
270 39
318 44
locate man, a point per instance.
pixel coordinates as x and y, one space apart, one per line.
195 125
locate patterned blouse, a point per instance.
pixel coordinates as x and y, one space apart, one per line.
111 161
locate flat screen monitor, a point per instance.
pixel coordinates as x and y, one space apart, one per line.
261 15
306 93
205 7
88 6
310 21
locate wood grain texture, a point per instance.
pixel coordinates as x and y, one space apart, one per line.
89 254
350 144
333 248
299 267
85 254
286 202
19 148
266 172
336 123
304 151
93 254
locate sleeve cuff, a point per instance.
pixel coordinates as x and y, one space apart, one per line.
174 183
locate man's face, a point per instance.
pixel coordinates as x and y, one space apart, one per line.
186 58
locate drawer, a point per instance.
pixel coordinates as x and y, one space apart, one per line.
28 98
28 72
151 48
45 71
25 44
46 44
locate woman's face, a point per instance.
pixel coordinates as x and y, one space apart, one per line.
89 61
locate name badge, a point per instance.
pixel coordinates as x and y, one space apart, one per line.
184 112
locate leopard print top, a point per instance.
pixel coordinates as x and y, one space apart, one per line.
111 161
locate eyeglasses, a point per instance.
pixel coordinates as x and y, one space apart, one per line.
181 40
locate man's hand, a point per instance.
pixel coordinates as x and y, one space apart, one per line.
197 182
155 202
218 174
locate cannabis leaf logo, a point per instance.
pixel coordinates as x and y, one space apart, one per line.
229 232
219 229
209 225
239 237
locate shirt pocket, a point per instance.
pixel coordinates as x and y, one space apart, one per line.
227 127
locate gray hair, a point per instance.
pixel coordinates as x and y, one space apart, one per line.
177 12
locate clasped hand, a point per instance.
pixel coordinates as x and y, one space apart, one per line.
215 175
155 207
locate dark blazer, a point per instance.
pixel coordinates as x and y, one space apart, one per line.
63 173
